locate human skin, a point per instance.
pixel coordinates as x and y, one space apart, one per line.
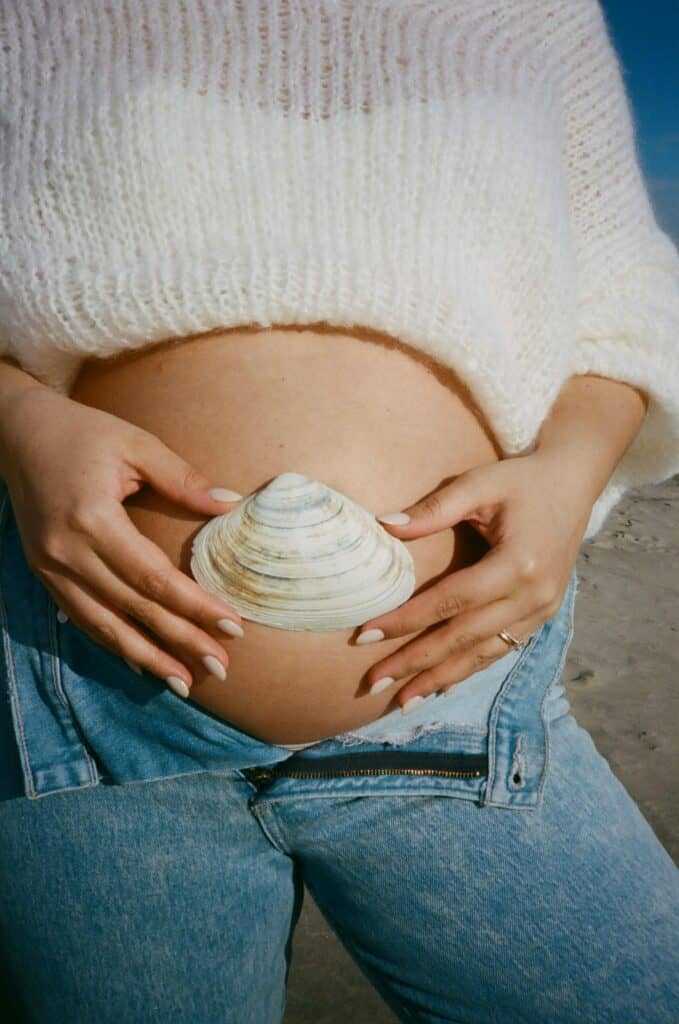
533 512
538 503
365 414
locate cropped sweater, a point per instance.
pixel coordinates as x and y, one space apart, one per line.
462 175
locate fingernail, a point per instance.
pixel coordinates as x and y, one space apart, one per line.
394 518
230 627
382 684
214 666
178 685
410 704
135 668
369 636
62 616
223 494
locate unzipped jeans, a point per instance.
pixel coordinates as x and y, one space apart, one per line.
153 858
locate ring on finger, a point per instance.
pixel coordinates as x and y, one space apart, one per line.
512 640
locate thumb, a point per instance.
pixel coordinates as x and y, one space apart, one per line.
442 508
179 480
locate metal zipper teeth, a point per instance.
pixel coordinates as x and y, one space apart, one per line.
379 771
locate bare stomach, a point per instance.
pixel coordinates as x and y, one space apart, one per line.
361 412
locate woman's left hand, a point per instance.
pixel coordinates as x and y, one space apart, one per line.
533 511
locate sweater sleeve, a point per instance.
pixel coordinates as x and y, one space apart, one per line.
627 267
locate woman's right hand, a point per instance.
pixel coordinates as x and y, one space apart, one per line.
68 470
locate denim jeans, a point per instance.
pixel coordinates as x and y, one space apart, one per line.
153 858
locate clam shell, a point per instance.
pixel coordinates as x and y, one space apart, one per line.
300 555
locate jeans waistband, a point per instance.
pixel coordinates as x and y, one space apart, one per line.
81 715
509 761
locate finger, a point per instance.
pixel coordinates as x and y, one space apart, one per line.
175 478
181 636
491 578
106 627
464 497
446 675
463 632
141 564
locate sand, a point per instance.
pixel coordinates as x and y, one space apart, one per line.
622 674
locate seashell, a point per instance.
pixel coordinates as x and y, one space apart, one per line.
299 555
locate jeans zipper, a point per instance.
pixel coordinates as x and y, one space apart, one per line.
476 766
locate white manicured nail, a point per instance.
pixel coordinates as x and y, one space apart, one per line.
135 668
214 666
62 616
369 636
230 627
410 704
223 494
394 518
382 684
178 685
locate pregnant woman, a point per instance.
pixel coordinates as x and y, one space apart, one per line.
403 249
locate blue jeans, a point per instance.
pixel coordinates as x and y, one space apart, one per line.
153 858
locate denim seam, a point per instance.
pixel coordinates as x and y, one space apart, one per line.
556 675
492 734
494 715
40 794
185 773
53 655
273 829
107 780
55 671
9 661
445 791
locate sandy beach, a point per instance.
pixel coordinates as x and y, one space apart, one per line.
622 681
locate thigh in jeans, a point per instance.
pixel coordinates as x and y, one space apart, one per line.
153 901
566 913
538 894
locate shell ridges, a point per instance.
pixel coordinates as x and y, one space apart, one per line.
300 555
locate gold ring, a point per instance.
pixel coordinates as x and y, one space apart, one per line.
509 638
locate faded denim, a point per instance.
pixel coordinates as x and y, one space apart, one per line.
153 863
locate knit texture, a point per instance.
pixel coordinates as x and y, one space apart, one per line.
461 175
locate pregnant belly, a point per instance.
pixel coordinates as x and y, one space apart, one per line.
361 412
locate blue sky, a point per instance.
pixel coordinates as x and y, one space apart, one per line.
646 37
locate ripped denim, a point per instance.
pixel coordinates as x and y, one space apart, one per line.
466 707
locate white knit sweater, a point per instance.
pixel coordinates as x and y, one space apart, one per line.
460 174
